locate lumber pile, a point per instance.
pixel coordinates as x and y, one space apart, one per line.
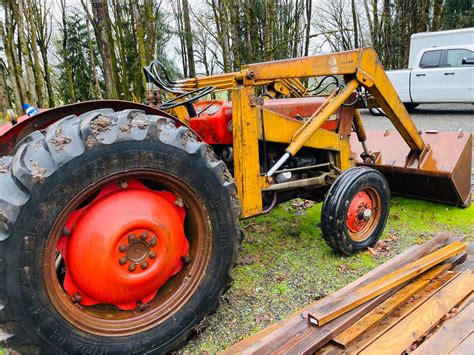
412 303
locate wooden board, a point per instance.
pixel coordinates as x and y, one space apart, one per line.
332 307
417 323
465 347
297 322
388 306
311 338
451 333
401 313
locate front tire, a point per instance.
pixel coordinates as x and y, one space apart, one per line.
67 168
355 210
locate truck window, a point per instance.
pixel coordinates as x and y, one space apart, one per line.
455 57
430 59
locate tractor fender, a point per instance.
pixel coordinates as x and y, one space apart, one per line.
10 137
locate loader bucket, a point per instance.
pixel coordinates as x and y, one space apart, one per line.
442 174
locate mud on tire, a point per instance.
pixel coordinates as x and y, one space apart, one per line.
48 169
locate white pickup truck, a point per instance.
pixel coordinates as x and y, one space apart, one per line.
439 75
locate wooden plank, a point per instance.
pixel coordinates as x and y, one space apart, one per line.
408 330
451 333
465 347
401 313
297 322
332 307
311 338
388 306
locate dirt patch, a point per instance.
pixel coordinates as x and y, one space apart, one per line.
91 142
299 206
38 172
247 259
100 124
137 120
3 168
383 247
3 220
60 139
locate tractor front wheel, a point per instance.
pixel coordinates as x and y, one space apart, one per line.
355 210
118 234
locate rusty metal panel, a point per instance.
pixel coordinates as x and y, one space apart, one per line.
443 174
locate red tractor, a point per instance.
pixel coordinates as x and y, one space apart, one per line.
119 224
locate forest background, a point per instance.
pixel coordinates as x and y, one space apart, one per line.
55 52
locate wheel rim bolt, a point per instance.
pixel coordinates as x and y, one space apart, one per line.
131 238
144 235
132 267
66 232
122 248
141 306
186 260
123 184
153 241
76 297
152 255
144 265
122 261
179 202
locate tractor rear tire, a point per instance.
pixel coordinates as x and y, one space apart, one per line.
43 179
355 210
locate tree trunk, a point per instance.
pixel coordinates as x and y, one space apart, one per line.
387 31
8 42
150 28
308 26
93 64
437 11
235 8
141 40
354 24
220 16
100 22
39 80
369 19
3 94
375 32
269 24
18 13
188 36
67 63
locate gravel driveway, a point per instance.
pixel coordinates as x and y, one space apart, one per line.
442 117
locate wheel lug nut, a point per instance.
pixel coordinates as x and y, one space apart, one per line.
122 248
123 184
76 297
131 238
132 267
153 241
141 307
179 202
144 265
152 255
122 261
144 235
186 260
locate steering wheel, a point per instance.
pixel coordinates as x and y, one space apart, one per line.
188 103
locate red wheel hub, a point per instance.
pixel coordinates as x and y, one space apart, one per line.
123 246
360 212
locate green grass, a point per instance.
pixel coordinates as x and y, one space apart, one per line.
286 264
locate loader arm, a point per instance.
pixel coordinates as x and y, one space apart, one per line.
363 65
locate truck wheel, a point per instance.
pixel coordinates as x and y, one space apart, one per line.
410 106
118 234
355 210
